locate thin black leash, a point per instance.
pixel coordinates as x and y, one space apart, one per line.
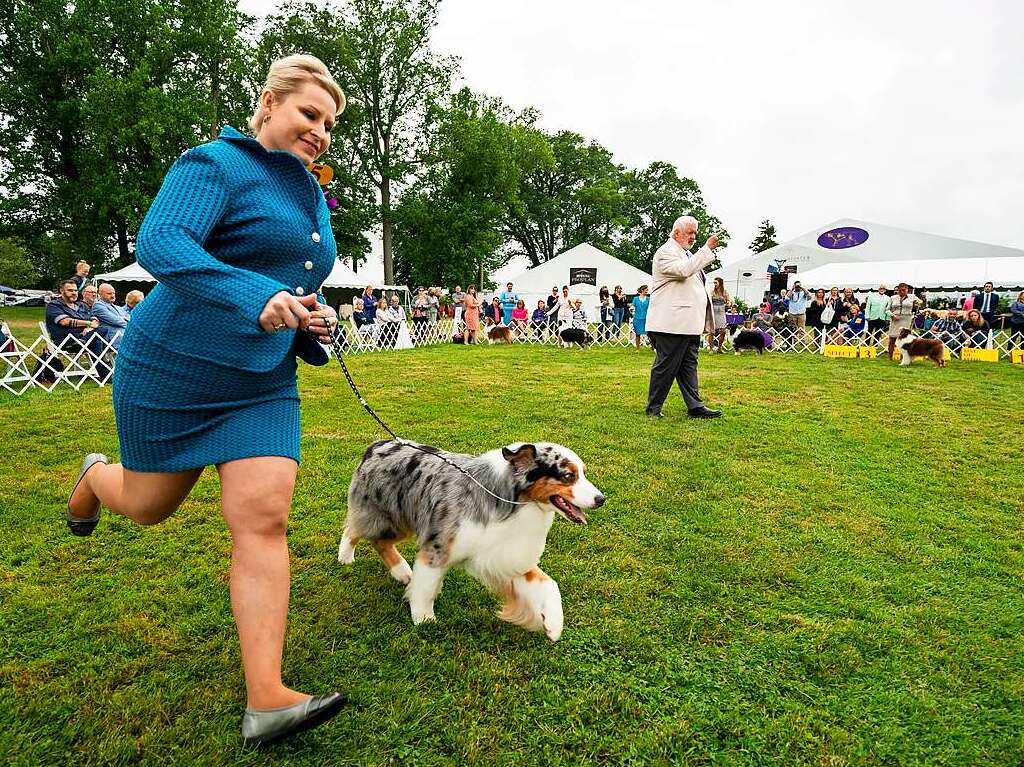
339 353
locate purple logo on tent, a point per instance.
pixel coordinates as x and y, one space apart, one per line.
843 237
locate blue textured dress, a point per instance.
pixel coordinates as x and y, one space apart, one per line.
197 381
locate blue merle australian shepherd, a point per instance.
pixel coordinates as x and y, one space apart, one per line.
400 491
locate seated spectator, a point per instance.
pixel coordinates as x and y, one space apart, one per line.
579 315
781 302
539 319
856 325
113 318
387 322
359 316
1017 322
763 318
133 299
976 329
494 311
519 316
949 330
65 316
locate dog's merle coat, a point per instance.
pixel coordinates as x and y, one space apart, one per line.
400 491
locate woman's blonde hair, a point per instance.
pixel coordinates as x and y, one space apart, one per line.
290 73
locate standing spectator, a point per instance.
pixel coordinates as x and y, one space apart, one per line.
832 312
472 316
458 304
420 306
539 320
968 301
798 301
949 330
561 311
113 318
1017 322
814 310
370 304
849 301
607 314
641 303
976 329
133 299
719 300
855 325
877 311
552 313
81 277
520 317
433 304
987 303
901 313
620 306
508 299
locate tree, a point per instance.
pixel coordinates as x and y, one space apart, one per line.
449 224
379 52
569 197
16 270
98 98
765 237
654 198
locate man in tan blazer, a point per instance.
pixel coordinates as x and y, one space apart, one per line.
680 312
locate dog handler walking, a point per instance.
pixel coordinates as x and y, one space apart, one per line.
239 239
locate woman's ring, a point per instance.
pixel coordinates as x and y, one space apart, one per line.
278 328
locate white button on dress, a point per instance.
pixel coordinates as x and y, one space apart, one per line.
315 236
300 291
309 266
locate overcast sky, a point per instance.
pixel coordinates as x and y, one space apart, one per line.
907 113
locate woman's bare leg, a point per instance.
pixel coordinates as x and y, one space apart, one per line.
147 497
256 496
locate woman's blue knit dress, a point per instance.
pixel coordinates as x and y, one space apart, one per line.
197 381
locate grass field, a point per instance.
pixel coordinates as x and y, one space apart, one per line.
831 574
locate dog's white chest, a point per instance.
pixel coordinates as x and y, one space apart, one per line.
504 549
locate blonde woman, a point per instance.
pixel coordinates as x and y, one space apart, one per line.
719 300
240 240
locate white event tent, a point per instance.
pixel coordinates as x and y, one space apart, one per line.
585 269
863 255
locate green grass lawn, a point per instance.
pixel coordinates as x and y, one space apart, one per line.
23 321
831 574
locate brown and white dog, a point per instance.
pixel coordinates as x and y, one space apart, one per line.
497 334
400 491
911 346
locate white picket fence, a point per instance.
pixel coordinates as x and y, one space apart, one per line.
23 367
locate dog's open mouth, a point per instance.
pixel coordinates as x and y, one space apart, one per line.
569 510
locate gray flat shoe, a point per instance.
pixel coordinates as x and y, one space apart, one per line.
263 726
84 525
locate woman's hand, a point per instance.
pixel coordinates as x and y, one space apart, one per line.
323 321
285 311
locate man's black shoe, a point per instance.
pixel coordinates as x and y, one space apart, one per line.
703 412
657 414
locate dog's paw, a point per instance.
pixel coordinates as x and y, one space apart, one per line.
551 612
419 617
402 572
346 552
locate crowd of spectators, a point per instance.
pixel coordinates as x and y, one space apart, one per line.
843 318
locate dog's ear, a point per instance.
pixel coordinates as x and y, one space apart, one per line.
520 457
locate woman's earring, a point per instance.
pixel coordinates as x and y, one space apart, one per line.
266 119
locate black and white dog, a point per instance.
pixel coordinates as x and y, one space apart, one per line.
746 338
399 492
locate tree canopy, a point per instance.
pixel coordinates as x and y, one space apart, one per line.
98 98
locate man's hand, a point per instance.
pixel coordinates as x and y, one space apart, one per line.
284 310
712 242
323 321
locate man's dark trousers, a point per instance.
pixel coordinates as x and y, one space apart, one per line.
675 361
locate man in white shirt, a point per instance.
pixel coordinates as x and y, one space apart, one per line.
680 312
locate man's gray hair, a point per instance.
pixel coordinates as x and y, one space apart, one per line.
683 221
